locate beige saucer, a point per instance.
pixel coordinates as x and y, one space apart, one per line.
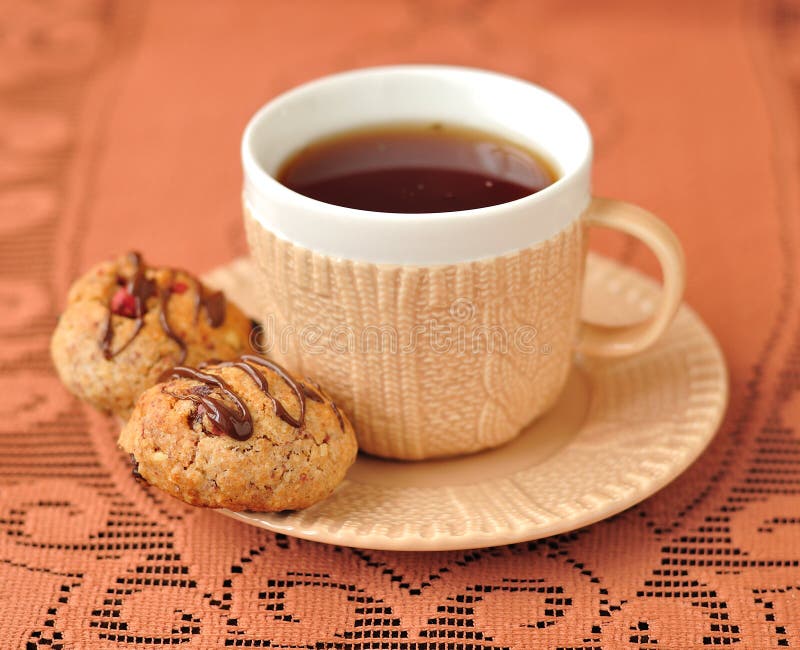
621 431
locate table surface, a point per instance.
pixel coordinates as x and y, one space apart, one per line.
119 129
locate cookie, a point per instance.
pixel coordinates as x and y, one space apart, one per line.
243 435
127 323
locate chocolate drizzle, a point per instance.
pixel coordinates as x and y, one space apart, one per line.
140 289
235 422
230 415
246 363
166 294
312 395
214 304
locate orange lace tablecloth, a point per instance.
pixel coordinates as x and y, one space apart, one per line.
119 129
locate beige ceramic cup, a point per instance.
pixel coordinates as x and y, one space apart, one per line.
446 333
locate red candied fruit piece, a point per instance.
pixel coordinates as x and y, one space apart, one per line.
123 303
178 287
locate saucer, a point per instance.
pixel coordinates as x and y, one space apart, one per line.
621 431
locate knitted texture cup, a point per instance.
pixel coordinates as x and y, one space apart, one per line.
441 333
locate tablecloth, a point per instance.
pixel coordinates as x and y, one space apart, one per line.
119 129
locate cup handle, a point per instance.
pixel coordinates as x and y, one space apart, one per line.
605 341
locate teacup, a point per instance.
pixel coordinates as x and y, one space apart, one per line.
443 333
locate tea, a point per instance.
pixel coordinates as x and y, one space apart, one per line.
415 168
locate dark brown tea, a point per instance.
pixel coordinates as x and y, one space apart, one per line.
416 168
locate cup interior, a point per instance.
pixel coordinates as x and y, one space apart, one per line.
516 110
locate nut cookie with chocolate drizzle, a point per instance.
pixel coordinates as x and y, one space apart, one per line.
242 434
126 323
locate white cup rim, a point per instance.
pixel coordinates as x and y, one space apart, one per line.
267 199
